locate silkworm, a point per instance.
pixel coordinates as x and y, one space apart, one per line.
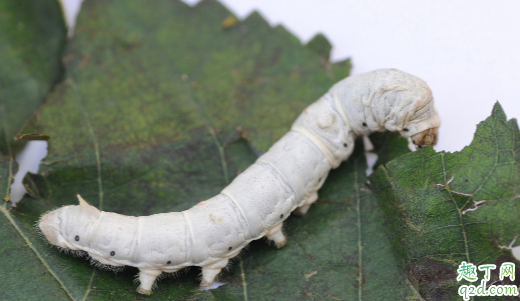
282 181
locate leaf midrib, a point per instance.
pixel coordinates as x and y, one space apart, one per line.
8 215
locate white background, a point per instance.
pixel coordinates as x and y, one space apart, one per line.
468 50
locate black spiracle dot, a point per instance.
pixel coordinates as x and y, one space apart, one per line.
76 238
168 262
281 215
364 124
345 145
112 253
406 130
466 180
229 249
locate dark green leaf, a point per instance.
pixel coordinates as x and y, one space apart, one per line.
429 200
321 45
32 38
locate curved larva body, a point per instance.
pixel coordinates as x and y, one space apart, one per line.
255 204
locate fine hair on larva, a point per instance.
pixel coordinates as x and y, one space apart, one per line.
283 181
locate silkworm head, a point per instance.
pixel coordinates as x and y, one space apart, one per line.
65 226
50 224
426 137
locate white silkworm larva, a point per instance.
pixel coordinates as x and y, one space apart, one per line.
256 203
